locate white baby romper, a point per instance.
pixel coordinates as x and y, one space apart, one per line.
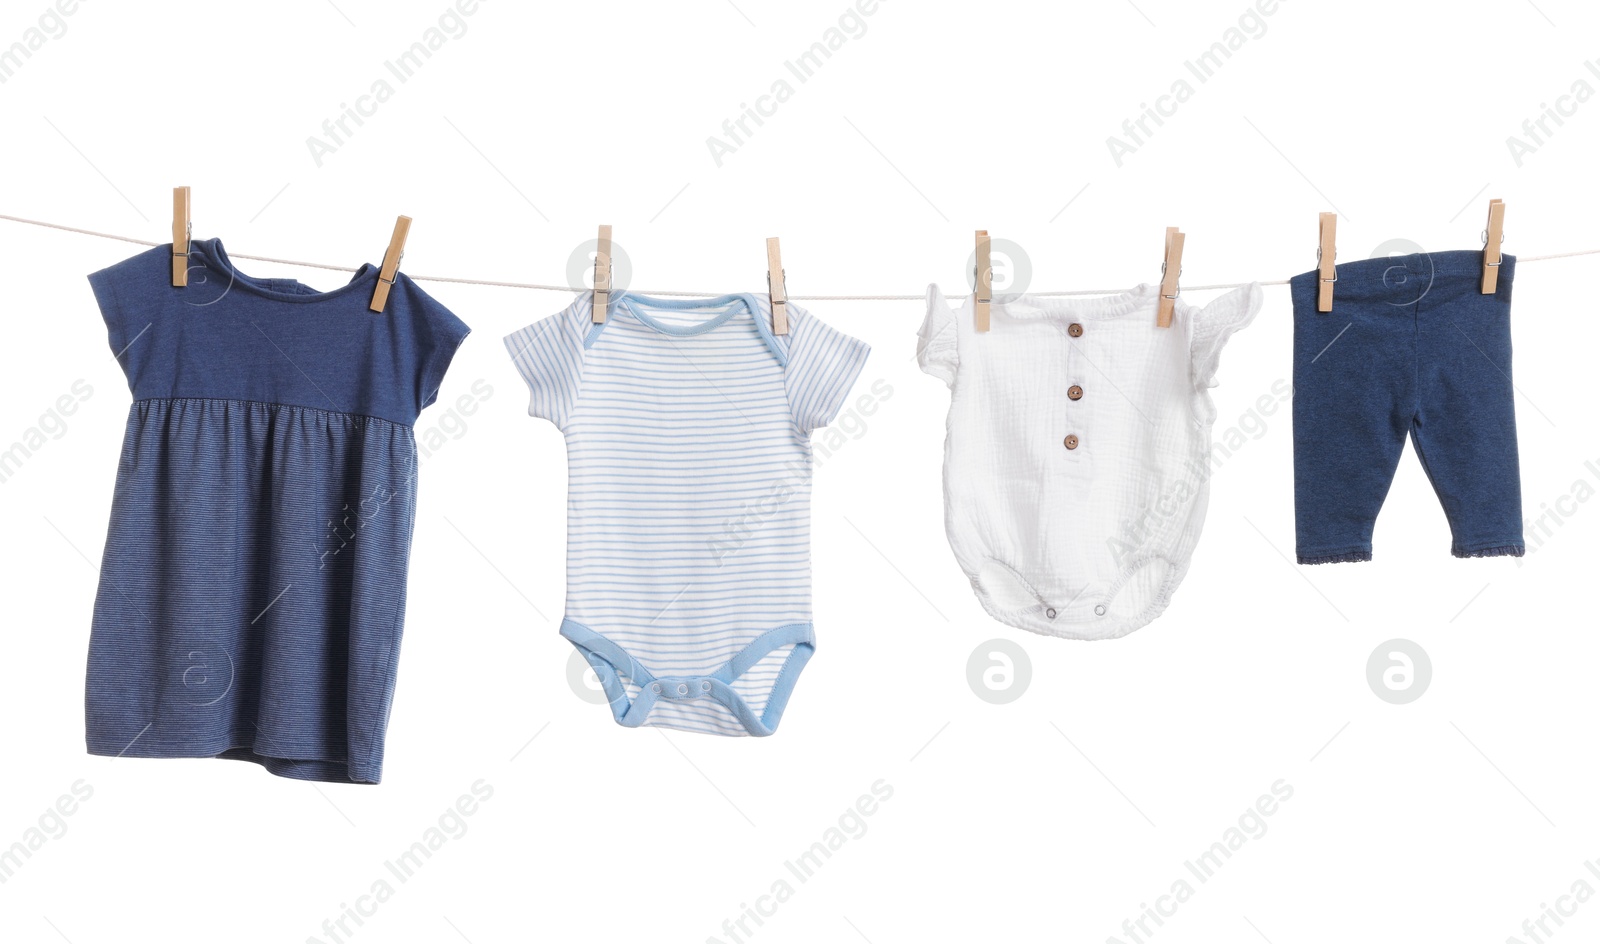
1077 455
688 428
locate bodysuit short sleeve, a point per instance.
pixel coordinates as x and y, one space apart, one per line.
549 356
1214 324
936 340
823 366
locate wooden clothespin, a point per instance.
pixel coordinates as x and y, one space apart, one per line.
1327 274
1171 266
602 276
777 291
1492 238
391 263
181 230
983 290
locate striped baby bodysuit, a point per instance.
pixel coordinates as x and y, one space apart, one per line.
688 426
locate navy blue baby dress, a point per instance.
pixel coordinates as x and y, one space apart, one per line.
253 588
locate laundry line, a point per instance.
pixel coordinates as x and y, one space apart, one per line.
534 286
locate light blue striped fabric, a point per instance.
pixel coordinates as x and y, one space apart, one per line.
688 427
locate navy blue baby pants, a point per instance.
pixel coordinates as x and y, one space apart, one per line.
1411 347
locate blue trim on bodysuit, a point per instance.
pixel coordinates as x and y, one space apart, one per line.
612 663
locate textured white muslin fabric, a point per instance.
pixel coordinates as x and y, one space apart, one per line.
1078 450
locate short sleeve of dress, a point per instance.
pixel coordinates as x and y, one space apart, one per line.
439 335
117 290
823 364
548 355
936 339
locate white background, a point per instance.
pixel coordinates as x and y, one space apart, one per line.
1057 816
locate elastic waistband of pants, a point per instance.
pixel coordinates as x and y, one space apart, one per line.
1395 270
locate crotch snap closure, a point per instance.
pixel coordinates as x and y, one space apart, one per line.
677 688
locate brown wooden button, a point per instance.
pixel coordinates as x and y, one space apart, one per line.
1071 442
1074 392
1075 329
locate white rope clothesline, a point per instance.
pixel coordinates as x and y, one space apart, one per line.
583 288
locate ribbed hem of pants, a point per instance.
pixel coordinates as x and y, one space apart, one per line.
1499 550
1342 557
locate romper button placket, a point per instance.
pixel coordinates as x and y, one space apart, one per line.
1074 392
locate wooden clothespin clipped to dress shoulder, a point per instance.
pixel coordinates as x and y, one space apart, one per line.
391 263
181 231
983 283
1327 255
1492 237
602 276
1171 268
777 290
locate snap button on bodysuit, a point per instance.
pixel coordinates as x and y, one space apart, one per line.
673 689
1050 613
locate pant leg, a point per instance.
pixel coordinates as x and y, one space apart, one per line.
1354 393
1466 430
